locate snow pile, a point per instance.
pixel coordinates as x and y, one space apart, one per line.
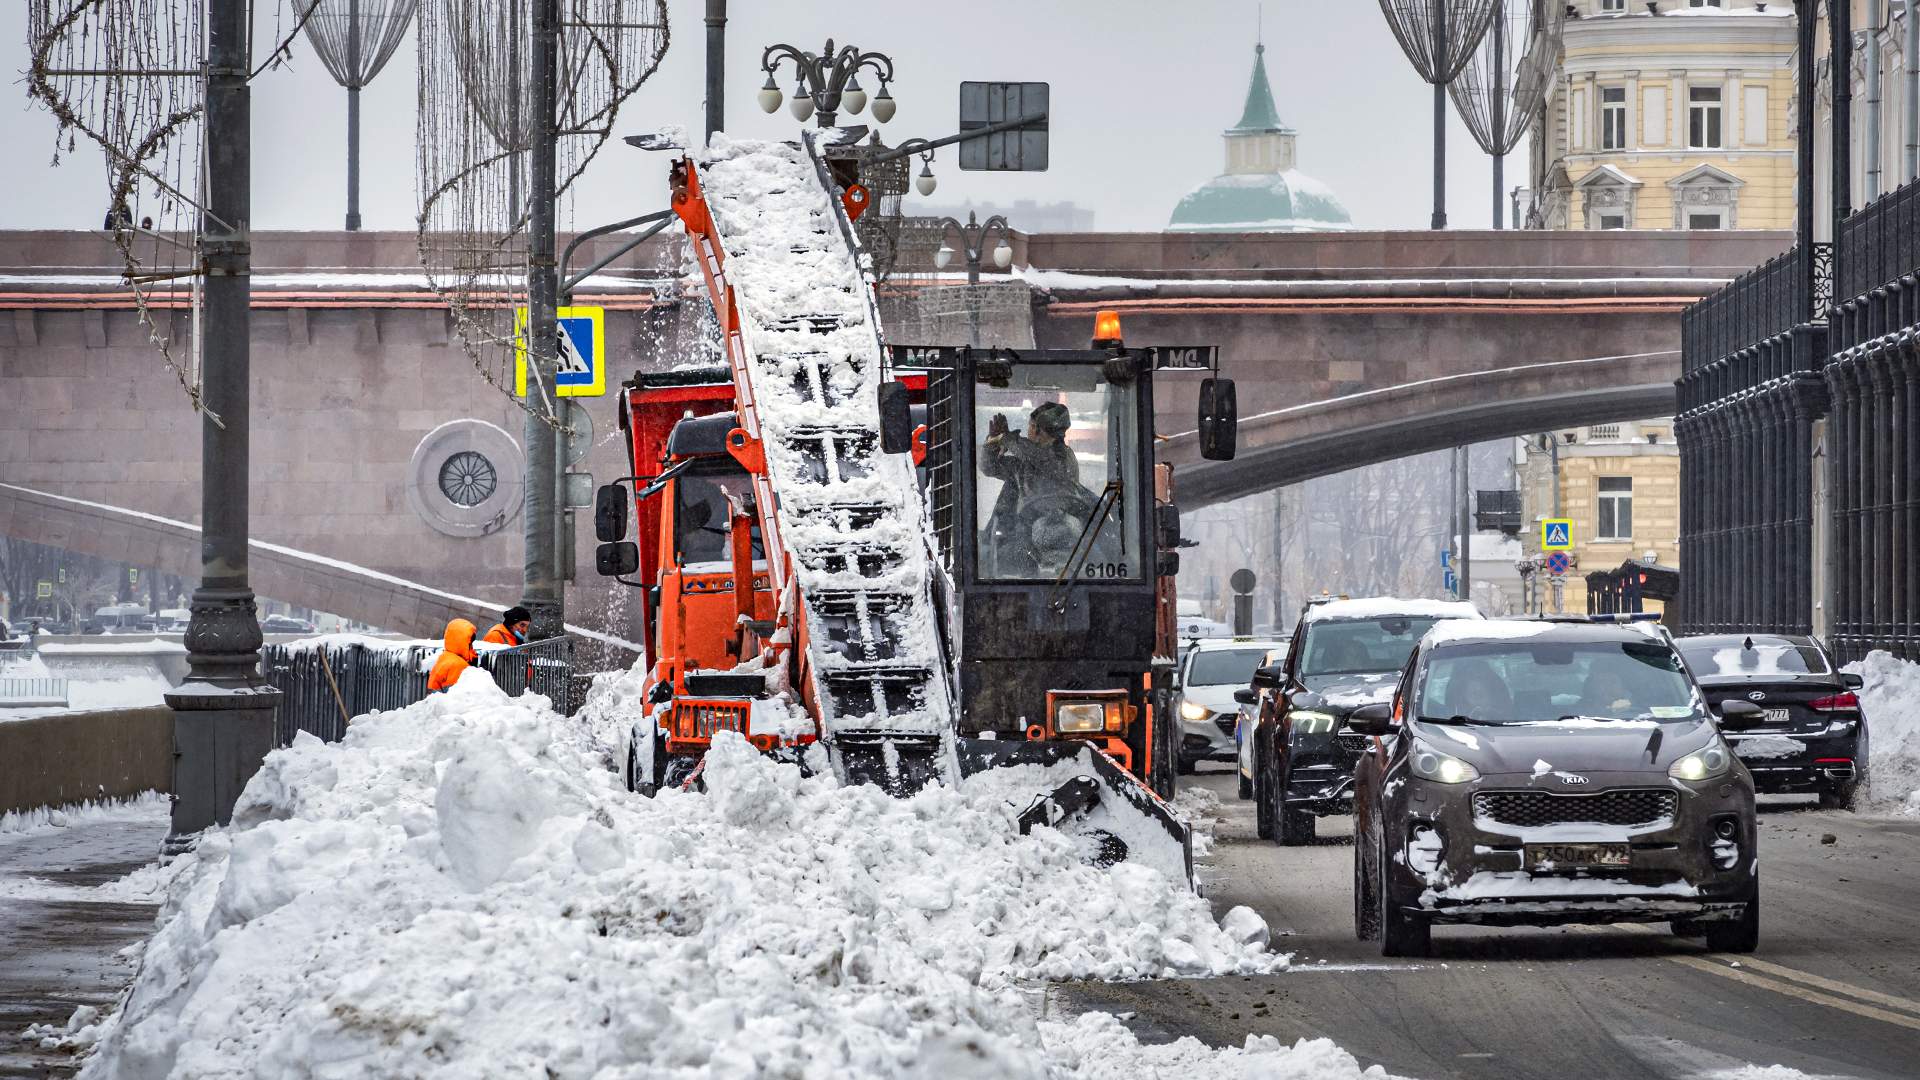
1890 703
142 806
461 888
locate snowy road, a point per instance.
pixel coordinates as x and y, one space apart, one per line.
1834 990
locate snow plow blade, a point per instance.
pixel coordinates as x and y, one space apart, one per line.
1088 795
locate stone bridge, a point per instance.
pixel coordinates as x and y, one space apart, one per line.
362 394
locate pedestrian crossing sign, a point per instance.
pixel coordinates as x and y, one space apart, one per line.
582 370
1556 534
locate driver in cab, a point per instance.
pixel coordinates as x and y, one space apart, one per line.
1040 474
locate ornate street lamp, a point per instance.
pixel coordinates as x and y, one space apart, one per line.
973 245
827 81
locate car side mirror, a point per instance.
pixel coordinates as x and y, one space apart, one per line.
1267 677
1246 696
1851 680
896 418
1740 715
1374 719
1219 419
617 560
610 514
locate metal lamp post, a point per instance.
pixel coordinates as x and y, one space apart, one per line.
223 712
827 81
973 244
1439 37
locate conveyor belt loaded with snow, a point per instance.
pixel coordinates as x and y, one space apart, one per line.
844 520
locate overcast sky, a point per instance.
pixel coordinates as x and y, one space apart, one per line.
1141 92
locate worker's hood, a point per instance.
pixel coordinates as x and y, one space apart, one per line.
459 639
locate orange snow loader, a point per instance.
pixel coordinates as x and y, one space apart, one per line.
932 560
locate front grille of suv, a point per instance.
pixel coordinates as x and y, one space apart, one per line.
1533 809
1352 742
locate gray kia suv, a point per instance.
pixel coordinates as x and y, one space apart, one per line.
1537 772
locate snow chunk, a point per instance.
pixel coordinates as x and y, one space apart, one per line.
1890 706
1381 607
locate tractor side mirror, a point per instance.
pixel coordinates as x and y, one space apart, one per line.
610 514
1219 419
896 418
1166 525
617 559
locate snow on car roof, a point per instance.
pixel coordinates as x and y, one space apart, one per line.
1379 607
1453 631
1216 644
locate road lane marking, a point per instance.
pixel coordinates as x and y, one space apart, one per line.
1805 977
1742 975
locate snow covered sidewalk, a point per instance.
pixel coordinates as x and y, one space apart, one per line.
461 888
1890 702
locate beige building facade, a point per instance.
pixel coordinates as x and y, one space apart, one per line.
1672 115
1620 486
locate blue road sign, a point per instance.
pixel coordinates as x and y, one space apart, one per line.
1557 563
582 369
1556 534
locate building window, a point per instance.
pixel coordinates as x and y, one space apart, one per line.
1611 221
1713 219
1703 117
1611 6
1616 508
1703 3
1613 118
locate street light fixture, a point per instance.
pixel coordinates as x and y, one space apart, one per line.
973 244
828 81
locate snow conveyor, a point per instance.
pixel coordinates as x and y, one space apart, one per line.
797 591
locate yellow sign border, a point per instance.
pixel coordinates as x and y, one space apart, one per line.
1548 523
596 388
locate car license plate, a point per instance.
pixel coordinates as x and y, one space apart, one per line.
1775 716
1576 856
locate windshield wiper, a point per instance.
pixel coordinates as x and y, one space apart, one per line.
1458 719
1083 545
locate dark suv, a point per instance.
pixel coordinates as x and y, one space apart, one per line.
1812 737
1552 772
1344 654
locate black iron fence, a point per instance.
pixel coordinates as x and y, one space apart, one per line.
1749 393
1873 452
323 686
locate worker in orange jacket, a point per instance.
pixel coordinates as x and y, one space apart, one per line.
512 628
456 657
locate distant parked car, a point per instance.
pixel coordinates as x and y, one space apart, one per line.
285 624
1812 738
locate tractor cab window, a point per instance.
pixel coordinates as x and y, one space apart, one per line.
1059 461
701 513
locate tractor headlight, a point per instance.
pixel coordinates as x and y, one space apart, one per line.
1080 717
1703 764
1313 722
1431 764
1194 711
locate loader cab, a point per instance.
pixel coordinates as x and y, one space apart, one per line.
1051 520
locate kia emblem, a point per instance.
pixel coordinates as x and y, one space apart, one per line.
1757 696
1571 778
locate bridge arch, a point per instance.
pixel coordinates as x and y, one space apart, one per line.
1295 444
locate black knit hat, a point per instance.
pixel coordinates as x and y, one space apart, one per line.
516 614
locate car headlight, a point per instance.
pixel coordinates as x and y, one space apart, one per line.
1703 764
1431 764
1083 716
1313 722
1194 711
